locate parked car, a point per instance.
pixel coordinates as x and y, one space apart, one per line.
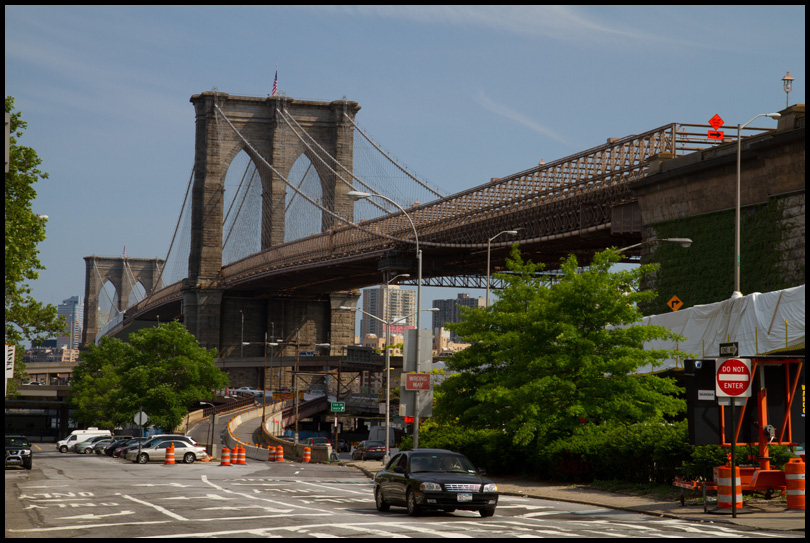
119 448
257 393
108 448
369 450
154 440
156 452
310 441
86 447
77 436
434 479
19 451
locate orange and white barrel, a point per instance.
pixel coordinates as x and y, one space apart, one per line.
794 481
271 454
226 457
724 495
307 454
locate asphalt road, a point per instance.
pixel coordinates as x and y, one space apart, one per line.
69 495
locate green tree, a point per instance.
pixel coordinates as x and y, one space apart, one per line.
96 383
545 359
25 317
161 371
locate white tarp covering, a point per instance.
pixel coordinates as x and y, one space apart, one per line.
761 324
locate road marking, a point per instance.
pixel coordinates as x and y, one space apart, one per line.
155 507
92 516
364 493
254 497
85 526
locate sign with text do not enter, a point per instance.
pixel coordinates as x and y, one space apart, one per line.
733 378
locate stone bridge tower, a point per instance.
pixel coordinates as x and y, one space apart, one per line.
124 273
261 123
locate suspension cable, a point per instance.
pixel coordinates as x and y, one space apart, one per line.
394 162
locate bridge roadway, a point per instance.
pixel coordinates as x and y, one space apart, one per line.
577 204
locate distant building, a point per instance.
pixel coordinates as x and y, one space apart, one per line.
387 303
450 311
72 312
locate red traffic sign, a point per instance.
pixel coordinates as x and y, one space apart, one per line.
716 134
716 122
417 381
733 378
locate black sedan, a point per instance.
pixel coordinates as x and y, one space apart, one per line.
369 450
434 479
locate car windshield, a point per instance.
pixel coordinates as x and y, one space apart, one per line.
15 441
441 462
373 444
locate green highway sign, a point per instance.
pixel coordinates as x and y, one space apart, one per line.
338 407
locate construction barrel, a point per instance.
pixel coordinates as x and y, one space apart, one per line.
794 479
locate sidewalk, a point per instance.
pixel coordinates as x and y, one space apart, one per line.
760 514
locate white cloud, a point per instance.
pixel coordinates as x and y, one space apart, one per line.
503 111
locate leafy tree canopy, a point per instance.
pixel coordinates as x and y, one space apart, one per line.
25 317
546 359
161 370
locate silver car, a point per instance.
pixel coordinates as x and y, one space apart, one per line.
156 452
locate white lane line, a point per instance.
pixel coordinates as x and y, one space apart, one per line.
155 507
254 497
367 493
85 526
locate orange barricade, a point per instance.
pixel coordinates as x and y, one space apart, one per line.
226 457
724 488
279 454
271 454
794 479
169 460
307 454
241 455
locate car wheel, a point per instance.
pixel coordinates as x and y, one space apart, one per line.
413 509
382 505
28 465
143 458
63 449
487 512
88 451
189 458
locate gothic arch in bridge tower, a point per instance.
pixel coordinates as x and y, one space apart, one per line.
123 274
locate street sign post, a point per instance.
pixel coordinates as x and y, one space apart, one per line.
733 380
716 122
338 407
417 381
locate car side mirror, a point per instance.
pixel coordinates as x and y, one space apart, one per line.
482 471
399 469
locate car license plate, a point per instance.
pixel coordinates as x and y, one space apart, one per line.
464 497
14 462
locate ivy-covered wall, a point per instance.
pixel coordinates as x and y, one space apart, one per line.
704 272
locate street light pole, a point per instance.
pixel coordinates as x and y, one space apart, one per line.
737 292
212 422
685 242
387 371
489 243
357 195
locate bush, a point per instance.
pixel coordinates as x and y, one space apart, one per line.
639 453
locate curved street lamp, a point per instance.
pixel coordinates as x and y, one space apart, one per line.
737 292
685 242
358 195
387 369
489 246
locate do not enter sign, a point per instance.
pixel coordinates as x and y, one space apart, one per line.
734 378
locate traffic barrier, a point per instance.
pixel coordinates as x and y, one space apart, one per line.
271 454
794 480
279 454
241 455
307 454
226 457
169 460
724 487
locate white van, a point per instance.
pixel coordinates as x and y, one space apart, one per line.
77 436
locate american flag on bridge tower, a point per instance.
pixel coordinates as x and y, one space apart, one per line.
275 84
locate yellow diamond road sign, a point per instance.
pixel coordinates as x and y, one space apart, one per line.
674 303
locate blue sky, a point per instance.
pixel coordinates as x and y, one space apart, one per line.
461 94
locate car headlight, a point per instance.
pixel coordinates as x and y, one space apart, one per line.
491 487
430 487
